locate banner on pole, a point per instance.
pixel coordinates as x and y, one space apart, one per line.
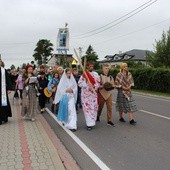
63 39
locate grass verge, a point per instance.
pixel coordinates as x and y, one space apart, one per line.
152 93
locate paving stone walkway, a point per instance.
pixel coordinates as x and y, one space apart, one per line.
27 145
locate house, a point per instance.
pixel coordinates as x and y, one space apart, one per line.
60 59
135 55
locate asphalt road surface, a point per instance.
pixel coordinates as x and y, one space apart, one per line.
145 146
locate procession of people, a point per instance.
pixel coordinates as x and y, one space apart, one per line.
68 91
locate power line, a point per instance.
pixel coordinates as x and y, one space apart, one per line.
118 22
125 18
19 43
139 30
114 20
120 36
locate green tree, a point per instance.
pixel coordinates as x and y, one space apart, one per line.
23 65
12 67
42 51
91 55
161 55
133 64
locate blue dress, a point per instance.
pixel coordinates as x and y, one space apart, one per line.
63 109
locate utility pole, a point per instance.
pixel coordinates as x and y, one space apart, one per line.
80 51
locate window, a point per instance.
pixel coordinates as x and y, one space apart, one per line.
116 58
126 57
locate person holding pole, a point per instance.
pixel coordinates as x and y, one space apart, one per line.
89 83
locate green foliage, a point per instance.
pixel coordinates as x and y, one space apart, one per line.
133 64
23 65
12 67
152 79
161 55
42 51
91 55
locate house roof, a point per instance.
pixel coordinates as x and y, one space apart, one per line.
138 54
133 55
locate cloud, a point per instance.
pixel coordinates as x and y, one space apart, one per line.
24 22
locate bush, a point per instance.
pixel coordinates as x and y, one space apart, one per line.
152 79
149 78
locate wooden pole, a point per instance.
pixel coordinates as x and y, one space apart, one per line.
85 61
84 71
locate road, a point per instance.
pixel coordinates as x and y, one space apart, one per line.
145 146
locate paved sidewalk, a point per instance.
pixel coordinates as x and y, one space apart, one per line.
31 145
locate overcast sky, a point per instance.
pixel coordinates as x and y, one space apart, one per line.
24 22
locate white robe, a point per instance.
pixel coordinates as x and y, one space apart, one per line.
63 85
72 114
89 99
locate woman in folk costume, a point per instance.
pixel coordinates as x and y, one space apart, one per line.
5 87
89 83
29 101
125 102
67 95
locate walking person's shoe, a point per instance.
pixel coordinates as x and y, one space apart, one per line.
122 119
110 123
89 128
42 110
132 122
73 130
32 119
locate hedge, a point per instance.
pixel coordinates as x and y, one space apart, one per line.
149 79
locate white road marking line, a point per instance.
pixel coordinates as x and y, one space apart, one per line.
96 159
151 97
154 114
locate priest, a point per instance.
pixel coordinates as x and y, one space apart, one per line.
5 87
